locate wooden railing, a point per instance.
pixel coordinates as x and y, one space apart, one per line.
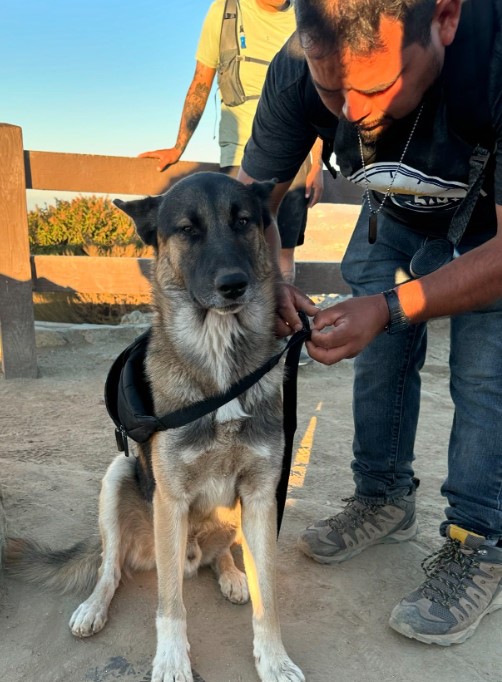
21 275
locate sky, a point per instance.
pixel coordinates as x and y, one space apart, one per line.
102 77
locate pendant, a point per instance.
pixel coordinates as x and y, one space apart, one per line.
372 227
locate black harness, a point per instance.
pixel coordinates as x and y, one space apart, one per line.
129 401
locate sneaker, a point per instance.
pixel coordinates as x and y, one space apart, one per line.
464 583
358 526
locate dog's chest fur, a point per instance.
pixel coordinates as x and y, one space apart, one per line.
199 357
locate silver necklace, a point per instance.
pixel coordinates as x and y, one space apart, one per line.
373 219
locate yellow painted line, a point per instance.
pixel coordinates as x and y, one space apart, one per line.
302 457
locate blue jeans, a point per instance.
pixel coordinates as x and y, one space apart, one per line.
387 392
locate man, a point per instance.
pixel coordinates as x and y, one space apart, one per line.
262 27
411 93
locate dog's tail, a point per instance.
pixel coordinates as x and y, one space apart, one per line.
68 570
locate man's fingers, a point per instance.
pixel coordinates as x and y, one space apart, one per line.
149 155
303 302
327 356
282 329
289 316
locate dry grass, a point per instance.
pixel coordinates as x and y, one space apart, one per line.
84 308
78 308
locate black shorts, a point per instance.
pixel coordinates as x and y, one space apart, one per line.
292 214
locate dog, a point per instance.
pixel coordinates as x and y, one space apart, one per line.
214 295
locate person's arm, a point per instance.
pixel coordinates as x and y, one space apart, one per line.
314 183
193 108
291 299
467 283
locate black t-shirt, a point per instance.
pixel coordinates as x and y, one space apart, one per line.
462 109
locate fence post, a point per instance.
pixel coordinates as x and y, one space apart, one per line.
17 323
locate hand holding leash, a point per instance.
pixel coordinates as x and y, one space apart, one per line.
292 300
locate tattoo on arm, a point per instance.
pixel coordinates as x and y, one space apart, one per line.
195 103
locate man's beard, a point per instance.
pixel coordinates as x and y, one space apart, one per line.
370 137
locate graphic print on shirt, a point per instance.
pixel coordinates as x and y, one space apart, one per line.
411 189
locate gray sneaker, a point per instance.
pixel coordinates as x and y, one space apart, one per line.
464 583
358 526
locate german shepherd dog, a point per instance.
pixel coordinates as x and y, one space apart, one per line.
214 297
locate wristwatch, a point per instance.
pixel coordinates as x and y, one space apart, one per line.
398 321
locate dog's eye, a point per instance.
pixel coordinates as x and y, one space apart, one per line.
188 228
243 221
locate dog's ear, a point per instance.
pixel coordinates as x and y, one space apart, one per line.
263 191
144 213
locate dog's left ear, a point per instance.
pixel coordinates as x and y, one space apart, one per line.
144 213
263 191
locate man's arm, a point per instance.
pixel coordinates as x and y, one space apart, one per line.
314 183
469 282
291 299
193 108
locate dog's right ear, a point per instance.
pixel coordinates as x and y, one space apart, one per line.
144 213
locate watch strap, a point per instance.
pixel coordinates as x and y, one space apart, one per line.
398 321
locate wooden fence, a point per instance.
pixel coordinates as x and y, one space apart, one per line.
21 275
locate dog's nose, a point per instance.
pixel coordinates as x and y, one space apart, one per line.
232 284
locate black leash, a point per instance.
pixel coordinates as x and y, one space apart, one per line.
289 401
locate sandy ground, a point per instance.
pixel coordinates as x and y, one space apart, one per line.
56 442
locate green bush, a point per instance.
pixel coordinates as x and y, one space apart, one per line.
71 227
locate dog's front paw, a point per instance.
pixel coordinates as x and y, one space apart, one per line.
88 619
234 585
171 665
278 667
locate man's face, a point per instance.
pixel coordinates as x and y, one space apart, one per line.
374 90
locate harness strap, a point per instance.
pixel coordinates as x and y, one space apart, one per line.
130 363
232 40
477 164
255 60
201 408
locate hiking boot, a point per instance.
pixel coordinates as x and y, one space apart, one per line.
464 583
358 526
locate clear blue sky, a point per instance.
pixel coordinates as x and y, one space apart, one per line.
101 77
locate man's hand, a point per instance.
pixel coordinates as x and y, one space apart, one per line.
314 185
355 323
167 157
290 301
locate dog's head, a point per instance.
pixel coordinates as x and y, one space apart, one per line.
208 235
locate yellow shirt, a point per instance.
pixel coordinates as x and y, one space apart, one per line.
265 32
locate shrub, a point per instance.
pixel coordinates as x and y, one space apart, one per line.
85 226
74 227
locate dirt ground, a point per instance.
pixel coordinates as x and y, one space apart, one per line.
56 442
